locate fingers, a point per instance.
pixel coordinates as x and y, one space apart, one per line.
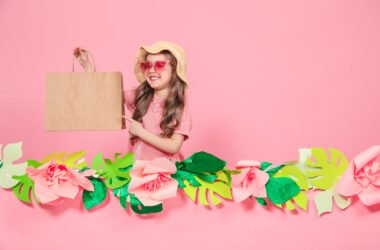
127 118
79 51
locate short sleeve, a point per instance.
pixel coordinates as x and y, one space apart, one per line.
184 127
129 98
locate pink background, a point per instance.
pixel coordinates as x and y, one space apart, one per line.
266 78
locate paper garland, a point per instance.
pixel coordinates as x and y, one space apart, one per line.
204 178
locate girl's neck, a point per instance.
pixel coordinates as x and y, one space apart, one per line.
162 93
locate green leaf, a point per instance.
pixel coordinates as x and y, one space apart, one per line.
272 171
98 162
301 180
264 165
220 187
180 176
261 201
325 172
201 162
23 188
96 197
139 208
280 190
74 160
116 173
33 163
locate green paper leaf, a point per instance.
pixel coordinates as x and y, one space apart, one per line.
139 208
73 160
98 163
264 165
23 188
201 162
272 171
301 180
122 193
261 201
116 173
33 163
220 187
180 176
325 172
96 197
280 190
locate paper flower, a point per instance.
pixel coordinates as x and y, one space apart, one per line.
362 177
8 169
251 181
53 183
151 181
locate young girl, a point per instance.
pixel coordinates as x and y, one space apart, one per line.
161 120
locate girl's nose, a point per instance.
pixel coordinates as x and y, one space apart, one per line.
152 69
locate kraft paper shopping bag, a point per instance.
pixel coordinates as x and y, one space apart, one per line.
84 101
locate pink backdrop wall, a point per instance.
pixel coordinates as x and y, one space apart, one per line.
266 78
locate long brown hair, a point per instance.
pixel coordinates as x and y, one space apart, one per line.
174 103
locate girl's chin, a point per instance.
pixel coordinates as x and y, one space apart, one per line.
155 84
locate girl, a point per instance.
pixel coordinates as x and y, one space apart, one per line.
161 120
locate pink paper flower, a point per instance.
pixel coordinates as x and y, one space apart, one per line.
151 181
53 183
251 181
362 177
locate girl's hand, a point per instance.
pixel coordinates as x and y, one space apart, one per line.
135 127
82 57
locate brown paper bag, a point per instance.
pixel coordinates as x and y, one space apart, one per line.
84 101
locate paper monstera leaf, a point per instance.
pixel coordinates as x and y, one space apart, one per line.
9 170
74 160
324 171
115 172
221 187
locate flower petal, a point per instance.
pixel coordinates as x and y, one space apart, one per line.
169 190
365 157
65 189
160 165
137 182
248 163
146 199
80 180
240 193
370 195
43 193
347 186
238 178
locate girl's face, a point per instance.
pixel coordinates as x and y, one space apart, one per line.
158 71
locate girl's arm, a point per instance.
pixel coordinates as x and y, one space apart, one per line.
169 145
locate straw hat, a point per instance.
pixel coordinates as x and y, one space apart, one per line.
157 47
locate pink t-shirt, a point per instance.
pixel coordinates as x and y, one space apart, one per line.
151 121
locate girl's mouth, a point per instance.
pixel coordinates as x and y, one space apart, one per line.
153 78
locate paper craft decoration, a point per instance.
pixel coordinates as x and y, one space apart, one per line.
204 178
9 171
84 101
362 177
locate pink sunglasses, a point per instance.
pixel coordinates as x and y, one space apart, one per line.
159 66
